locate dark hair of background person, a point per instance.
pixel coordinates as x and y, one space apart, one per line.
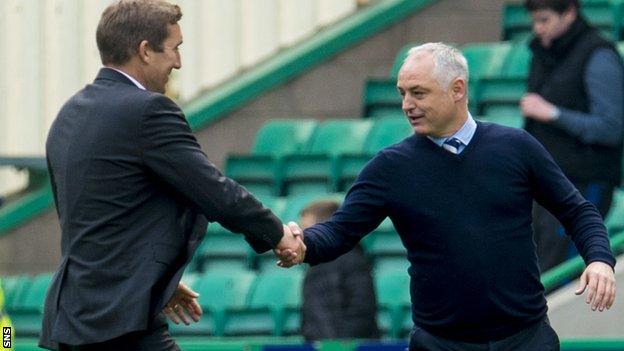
559 6
126 23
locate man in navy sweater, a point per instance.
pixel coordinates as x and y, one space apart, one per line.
459 193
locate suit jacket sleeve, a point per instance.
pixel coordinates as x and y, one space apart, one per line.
172 153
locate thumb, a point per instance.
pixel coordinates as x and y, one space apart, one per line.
582 284
294 228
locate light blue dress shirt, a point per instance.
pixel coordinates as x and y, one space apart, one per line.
464 134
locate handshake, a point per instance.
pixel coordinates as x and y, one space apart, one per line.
291 249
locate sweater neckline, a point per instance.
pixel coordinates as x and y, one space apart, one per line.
468 149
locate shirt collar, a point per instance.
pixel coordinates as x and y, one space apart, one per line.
464 134
139 85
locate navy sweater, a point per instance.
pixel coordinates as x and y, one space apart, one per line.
466 223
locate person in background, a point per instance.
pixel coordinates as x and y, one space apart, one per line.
339 296
575 108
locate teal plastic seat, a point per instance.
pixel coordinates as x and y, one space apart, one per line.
399 58
219 291
272 308
384 242
259 171
15 288
27 313
484 60
393 297
384 132
506 88
381 97
223 250
506 115
314 171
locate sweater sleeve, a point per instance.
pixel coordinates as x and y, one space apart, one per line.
362 211
581 220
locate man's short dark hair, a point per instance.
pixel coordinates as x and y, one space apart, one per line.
321 210
559 6
126 23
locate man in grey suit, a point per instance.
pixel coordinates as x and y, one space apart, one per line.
134 193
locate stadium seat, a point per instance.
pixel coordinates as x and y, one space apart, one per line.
27 313
272 308
223 249
219 291
384 242
393 296
384 132
314 171
380 94
381 97
259 171
399 58
507 87
15 288
484 60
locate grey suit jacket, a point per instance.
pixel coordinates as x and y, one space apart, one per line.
133 193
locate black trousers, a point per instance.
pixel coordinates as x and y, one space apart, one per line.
553 245
538 337
156 338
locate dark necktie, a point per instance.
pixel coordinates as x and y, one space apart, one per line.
452 145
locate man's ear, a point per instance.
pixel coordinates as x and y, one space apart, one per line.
145 51
458 89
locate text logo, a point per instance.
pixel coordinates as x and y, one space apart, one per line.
6 337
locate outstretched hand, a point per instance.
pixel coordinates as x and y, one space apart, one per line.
291 249
599 281
182 305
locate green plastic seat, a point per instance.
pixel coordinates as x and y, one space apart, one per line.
15 287
219 291
381 97
384 132
314 171
393 297
258 171
484 60
399 58
272 308
615 217
223 250
506 115
27 313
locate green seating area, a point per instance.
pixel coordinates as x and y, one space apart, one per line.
327 157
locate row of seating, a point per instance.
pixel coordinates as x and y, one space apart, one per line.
221 248
235 302
305 156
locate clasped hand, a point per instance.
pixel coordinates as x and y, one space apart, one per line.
291 249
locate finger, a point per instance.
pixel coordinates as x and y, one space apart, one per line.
600 294
592 285
171 315
611 296
192 309
179 310
582 284
295 229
